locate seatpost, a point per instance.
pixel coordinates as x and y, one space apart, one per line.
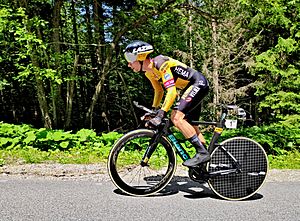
223 116
218 130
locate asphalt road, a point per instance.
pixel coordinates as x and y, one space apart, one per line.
46 199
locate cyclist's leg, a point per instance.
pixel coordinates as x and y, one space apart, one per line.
199 134
179 121
178 115
194 114
190 100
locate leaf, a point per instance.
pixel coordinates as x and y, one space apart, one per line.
58 135
42 133
111 136
64 144
30 137
4 140
84 134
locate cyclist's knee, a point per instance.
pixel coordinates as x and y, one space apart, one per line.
177 118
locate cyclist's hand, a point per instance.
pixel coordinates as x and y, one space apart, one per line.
147 117
156 121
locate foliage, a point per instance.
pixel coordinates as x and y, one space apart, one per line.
276 139
277 61
24 144
283 74
23 136
61 61
289 160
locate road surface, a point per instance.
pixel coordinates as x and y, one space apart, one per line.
37 198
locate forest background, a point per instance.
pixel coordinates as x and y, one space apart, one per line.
62 69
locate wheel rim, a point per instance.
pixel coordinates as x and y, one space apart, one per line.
134 179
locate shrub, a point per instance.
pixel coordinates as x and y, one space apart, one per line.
276 139
21 136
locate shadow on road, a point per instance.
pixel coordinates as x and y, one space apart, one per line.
191 190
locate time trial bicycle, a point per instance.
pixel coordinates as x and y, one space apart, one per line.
143 161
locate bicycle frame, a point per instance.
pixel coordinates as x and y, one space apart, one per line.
165 131
213 143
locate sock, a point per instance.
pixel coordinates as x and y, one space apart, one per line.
197 144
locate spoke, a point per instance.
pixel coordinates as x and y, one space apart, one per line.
135 174
139 176
134 177
129 170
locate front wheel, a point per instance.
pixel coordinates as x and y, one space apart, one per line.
133 177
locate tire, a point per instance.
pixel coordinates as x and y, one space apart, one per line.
254 168
124 164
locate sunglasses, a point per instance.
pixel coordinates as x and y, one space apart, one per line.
130 57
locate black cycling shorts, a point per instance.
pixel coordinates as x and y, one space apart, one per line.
190 101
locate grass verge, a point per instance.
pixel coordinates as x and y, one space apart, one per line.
290 160
32 155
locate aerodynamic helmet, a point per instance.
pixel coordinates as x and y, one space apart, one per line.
137 51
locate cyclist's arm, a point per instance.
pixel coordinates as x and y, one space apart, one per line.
158 90
169 84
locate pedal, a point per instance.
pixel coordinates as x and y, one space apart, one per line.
198 175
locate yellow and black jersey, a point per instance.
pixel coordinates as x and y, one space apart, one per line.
173 74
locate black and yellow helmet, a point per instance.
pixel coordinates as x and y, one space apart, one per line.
137 51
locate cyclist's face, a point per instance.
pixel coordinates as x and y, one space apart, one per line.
135 66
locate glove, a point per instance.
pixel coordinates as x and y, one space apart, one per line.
156 121
149 116
146 117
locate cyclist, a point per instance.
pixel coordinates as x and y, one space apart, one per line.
174 75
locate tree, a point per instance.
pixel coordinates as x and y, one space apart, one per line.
133 23
277 66
225 48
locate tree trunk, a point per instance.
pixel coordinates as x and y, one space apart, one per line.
70 94
215 64
90 36
190 38
129 98
99 31
57 102
41 94
71 80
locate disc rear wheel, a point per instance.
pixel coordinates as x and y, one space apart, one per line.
245 182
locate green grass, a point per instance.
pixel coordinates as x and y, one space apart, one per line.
32 155
290 160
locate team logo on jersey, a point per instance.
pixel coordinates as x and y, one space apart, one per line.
188 99
169 83
167 76
201 83
194 91
181 71
186 93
